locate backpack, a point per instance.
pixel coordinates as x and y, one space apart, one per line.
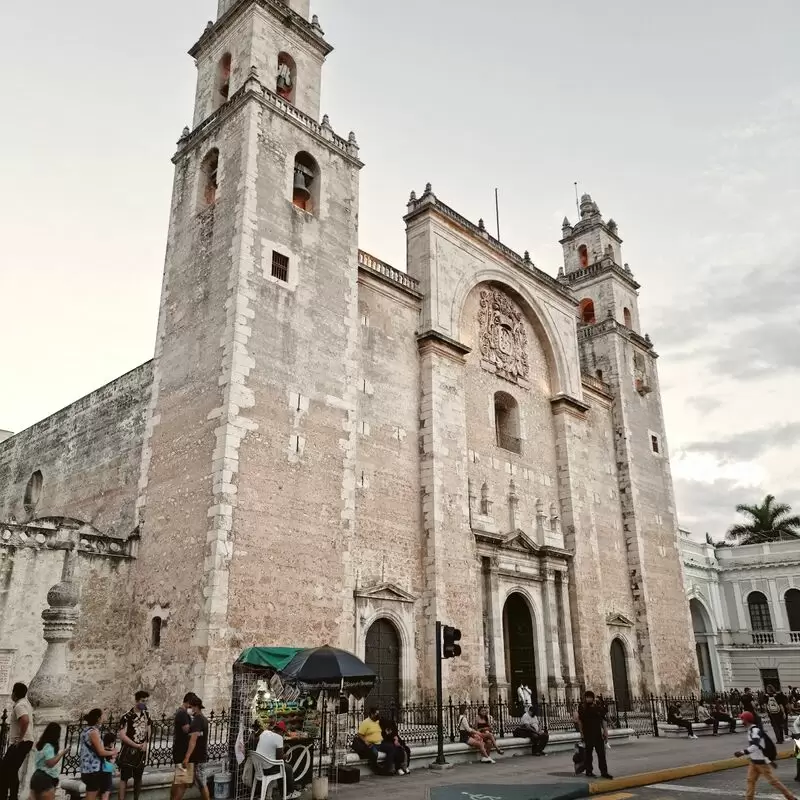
772 705
769 750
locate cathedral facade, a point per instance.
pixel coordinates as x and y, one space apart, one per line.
325 449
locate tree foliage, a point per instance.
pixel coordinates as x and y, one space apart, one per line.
765 522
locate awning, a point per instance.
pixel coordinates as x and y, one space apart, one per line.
275 658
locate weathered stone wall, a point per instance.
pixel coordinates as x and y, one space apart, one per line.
88 454
31 561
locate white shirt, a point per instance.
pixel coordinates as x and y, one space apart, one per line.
268 745
755 746
524 695
531 720
21 708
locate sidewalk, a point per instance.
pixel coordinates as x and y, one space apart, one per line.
554 771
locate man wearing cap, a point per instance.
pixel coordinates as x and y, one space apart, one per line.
270 745
180 746
760 766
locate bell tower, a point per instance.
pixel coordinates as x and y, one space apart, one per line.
255 367
614 351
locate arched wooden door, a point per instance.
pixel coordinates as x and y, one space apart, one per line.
619 674
519 644
382 653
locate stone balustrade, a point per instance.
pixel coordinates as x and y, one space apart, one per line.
387 271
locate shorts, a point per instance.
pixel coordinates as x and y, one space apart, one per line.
42 782
96 781
183 777
128 773
200 775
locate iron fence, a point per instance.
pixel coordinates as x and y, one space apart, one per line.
416 723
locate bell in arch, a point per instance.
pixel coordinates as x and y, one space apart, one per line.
301 194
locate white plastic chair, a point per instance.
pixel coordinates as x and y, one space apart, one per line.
260 765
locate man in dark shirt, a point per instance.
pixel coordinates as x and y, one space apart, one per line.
593 726
180 746
777 709
197 752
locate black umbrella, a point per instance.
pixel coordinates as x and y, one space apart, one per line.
331 669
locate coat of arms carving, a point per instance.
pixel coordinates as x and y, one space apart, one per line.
503 338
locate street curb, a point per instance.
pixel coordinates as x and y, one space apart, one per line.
672 774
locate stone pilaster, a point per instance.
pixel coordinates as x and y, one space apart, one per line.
555 679
493 630
568 649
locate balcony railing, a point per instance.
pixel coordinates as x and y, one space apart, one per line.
763 637
751 638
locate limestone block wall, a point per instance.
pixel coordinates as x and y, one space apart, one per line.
182 457
294 496
88 454
388 547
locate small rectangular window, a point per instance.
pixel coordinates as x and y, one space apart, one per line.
280 266
655 444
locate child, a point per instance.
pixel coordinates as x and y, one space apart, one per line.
109 740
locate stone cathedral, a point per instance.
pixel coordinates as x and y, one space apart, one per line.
326 449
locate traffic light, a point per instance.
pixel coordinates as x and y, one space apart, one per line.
450 636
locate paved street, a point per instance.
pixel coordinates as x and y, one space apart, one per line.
727 784
552 771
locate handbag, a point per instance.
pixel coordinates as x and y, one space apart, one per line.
131 757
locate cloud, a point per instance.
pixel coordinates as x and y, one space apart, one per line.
748 445
703 405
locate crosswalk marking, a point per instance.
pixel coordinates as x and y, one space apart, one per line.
673 787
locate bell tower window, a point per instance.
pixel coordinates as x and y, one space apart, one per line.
305 188
287 77
586 311
208 179
626 315
583 256
223 82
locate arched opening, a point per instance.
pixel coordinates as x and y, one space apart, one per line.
758 607
209 183
599 374
586 311
305 191
155 631
626 315
518 638
792 601
382 654
702 634
287 77
506 422
583 256
619 676
222 85
33 492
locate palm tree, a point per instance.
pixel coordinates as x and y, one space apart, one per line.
768 522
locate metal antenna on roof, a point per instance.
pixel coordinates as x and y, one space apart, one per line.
577 204
497 212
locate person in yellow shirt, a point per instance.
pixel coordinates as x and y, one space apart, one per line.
369 731
370 741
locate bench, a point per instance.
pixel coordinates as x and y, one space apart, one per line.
675 731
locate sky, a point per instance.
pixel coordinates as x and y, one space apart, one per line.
682 120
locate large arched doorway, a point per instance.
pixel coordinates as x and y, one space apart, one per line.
619 676
382 653
702 634
519 644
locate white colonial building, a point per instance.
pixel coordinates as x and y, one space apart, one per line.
745 606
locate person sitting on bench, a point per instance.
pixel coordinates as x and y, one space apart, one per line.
530 727
674 717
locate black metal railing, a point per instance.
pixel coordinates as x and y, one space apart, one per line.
417 723
159 753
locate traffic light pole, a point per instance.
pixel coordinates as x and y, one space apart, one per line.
440 759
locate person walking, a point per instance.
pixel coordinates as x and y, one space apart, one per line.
134 732
760 759
180 745
20 742
47 755
196 756
776 704
593 726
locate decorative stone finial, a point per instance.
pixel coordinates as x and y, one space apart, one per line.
648 339
627 268
50 687
612 225
412 197
527 257
185 132
315 25
326 121
351 137
428 189
481 226
561 273
209 25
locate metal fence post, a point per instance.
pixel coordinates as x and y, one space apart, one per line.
655 716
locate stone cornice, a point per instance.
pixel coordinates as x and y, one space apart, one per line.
584 225
278 9
254 89
435 342
552 556
429 202
564 404
610 325
59 533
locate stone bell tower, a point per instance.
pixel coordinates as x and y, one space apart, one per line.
614 350
255 366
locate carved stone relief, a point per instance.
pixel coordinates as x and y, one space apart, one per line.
503 338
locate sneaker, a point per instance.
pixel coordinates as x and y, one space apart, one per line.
293 796
694 737
487 760
401 771
590 775
607 776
